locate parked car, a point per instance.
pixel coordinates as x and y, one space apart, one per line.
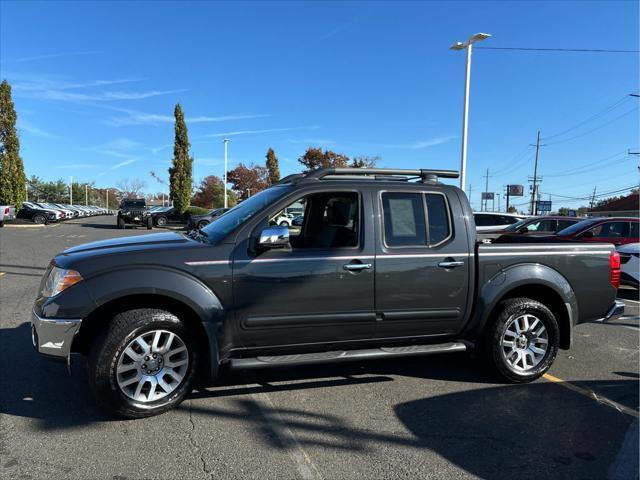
134 212
36 214
630 261
200 221
616 230
486 221
297 221
532 225
379 269
7 213
168 216
283 219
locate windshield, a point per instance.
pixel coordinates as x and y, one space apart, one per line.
133 203
577 227
242 212
516 226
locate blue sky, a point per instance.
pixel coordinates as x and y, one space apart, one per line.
95 84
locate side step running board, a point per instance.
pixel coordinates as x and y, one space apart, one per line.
345 355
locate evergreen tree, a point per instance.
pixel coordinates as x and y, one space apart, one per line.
12 177
181 171
273 167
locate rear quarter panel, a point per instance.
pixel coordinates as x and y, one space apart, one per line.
579 273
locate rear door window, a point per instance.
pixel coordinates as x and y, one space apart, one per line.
404 219
634 230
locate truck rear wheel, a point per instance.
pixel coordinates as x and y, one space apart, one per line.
523 341
143 363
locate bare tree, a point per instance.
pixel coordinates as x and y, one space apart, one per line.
131 187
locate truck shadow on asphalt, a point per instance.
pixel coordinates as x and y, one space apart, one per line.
488 429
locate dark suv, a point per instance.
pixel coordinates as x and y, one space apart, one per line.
134 212
382 266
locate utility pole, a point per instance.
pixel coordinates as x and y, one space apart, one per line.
534 197
593 199
506 208
469 195
226 141
486 190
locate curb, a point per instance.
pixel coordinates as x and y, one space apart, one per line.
8 225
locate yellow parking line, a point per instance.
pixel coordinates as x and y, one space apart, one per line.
592 395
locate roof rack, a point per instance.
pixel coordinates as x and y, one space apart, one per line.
425 175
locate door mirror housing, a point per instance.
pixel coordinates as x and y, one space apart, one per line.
274 237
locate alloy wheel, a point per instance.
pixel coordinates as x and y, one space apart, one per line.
152 366
525 342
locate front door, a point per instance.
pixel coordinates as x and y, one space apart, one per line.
422 265
319 291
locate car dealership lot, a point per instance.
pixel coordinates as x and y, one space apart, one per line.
431 417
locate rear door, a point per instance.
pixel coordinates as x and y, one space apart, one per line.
422 265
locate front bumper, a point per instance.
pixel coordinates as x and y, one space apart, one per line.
53 336
615 312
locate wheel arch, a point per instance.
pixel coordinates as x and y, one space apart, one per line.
535 281
177 292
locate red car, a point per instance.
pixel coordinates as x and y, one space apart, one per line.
616 230
532 226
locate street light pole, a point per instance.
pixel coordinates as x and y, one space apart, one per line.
226 141
468 45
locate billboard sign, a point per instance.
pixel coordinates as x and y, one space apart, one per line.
516 190
544 205
487 195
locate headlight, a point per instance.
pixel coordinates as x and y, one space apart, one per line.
59 279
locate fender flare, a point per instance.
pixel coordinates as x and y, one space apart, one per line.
108 286
522 275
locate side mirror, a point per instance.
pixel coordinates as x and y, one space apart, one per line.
523 230
587 234
274 238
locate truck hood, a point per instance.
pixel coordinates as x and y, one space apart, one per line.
141 242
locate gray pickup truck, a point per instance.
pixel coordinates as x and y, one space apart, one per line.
384 264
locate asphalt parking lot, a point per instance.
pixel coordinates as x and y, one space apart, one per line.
431 417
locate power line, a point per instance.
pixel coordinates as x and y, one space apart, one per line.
593 166
592 117
597 50
590 196
597 128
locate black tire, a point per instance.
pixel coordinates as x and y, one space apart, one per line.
39 219
1 223
149 223
202 224
121 223
110 345
494 351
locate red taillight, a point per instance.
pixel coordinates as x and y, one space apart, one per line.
614 269
6 211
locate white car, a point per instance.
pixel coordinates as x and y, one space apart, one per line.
630 264
494 220
7 212
283 219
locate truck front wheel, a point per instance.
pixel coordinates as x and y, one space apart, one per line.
143 363
523 341
121 223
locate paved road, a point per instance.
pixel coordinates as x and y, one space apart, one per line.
435 417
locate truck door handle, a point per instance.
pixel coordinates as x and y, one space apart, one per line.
450 264
356 267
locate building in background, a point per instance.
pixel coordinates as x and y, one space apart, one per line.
628 206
